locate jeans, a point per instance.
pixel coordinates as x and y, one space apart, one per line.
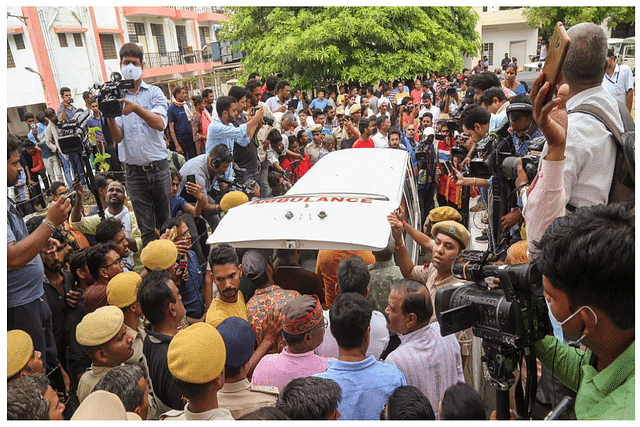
150 193
66 167
77 167
35 318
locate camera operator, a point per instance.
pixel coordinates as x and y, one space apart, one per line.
206 168
222 131
577 254
141 146
66 111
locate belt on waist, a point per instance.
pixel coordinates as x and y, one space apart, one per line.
148 166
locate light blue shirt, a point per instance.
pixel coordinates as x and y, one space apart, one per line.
219 133
141 144
366 386
316 103
46 151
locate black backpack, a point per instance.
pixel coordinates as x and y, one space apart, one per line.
623 184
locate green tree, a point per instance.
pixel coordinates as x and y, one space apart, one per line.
324 45
546 17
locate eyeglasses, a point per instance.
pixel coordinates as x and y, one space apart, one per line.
117 261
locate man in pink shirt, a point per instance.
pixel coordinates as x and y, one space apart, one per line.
303 330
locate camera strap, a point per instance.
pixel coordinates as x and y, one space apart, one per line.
526 398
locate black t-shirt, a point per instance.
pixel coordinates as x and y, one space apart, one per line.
155 349
504 63
266 96
246 157
347 143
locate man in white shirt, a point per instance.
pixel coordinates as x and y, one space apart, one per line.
428 106
618 80
381 138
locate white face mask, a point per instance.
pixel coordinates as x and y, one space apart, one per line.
130 71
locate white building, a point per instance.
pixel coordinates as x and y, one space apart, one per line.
76 47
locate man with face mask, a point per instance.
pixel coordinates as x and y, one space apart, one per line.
141 147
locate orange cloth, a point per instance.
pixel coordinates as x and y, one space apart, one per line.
327 269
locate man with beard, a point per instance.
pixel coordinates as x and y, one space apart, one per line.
112 230
226 271
66 305
116 210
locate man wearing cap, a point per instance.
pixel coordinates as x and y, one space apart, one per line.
429 361
103 336
22 358
303 329
313 150
355 113
267 297
340 132
195 359
238 395
225 273
450 238
122 292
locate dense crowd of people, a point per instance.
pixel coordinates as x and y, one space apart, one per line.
122 311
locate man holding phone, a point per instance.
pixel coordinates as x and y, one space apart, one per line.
590 151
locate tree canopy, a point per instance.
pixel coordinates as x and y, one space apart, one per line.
323 45
546 17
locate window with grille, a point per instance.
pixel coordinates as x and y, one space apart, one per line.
205 36
108 46
62 38
181 33
10 62
77 38
19 41
487 49
136 32
158 38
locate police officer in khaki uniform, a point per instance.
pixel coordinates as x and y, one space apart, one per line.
196 357
122 292
103 336
238 395
22 359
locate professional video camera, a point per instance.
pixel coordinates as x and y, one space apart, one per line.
109 95
73 134
73 141
529 164
247 187
492 150
509 319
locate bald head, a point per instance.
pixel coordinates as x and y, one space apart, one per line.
587 57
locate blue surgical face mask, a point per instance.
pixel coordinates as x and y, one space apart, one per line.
557 326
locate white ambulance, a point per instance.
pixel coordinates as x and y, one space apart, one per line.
342 202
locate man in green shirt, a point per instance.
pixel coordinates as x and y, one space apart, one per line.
587 262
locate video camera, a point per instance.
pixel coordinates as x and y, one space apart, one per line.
73 134
265 119
247 187
109 95
513 315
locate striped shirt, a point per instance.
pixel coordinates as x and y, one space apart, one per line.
429 361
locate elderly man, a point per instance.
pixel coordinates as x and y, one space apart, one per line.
450 238
303 329
428 360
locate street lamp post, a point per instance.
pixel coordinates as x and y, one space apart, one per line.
44 90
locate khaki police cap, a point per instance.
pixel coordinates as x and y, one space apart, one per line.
159 254
100 326
19 351
444 213
453 229
197 354
122 290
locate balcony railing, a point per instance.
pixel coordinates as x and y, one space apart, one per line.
209 9
211 53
